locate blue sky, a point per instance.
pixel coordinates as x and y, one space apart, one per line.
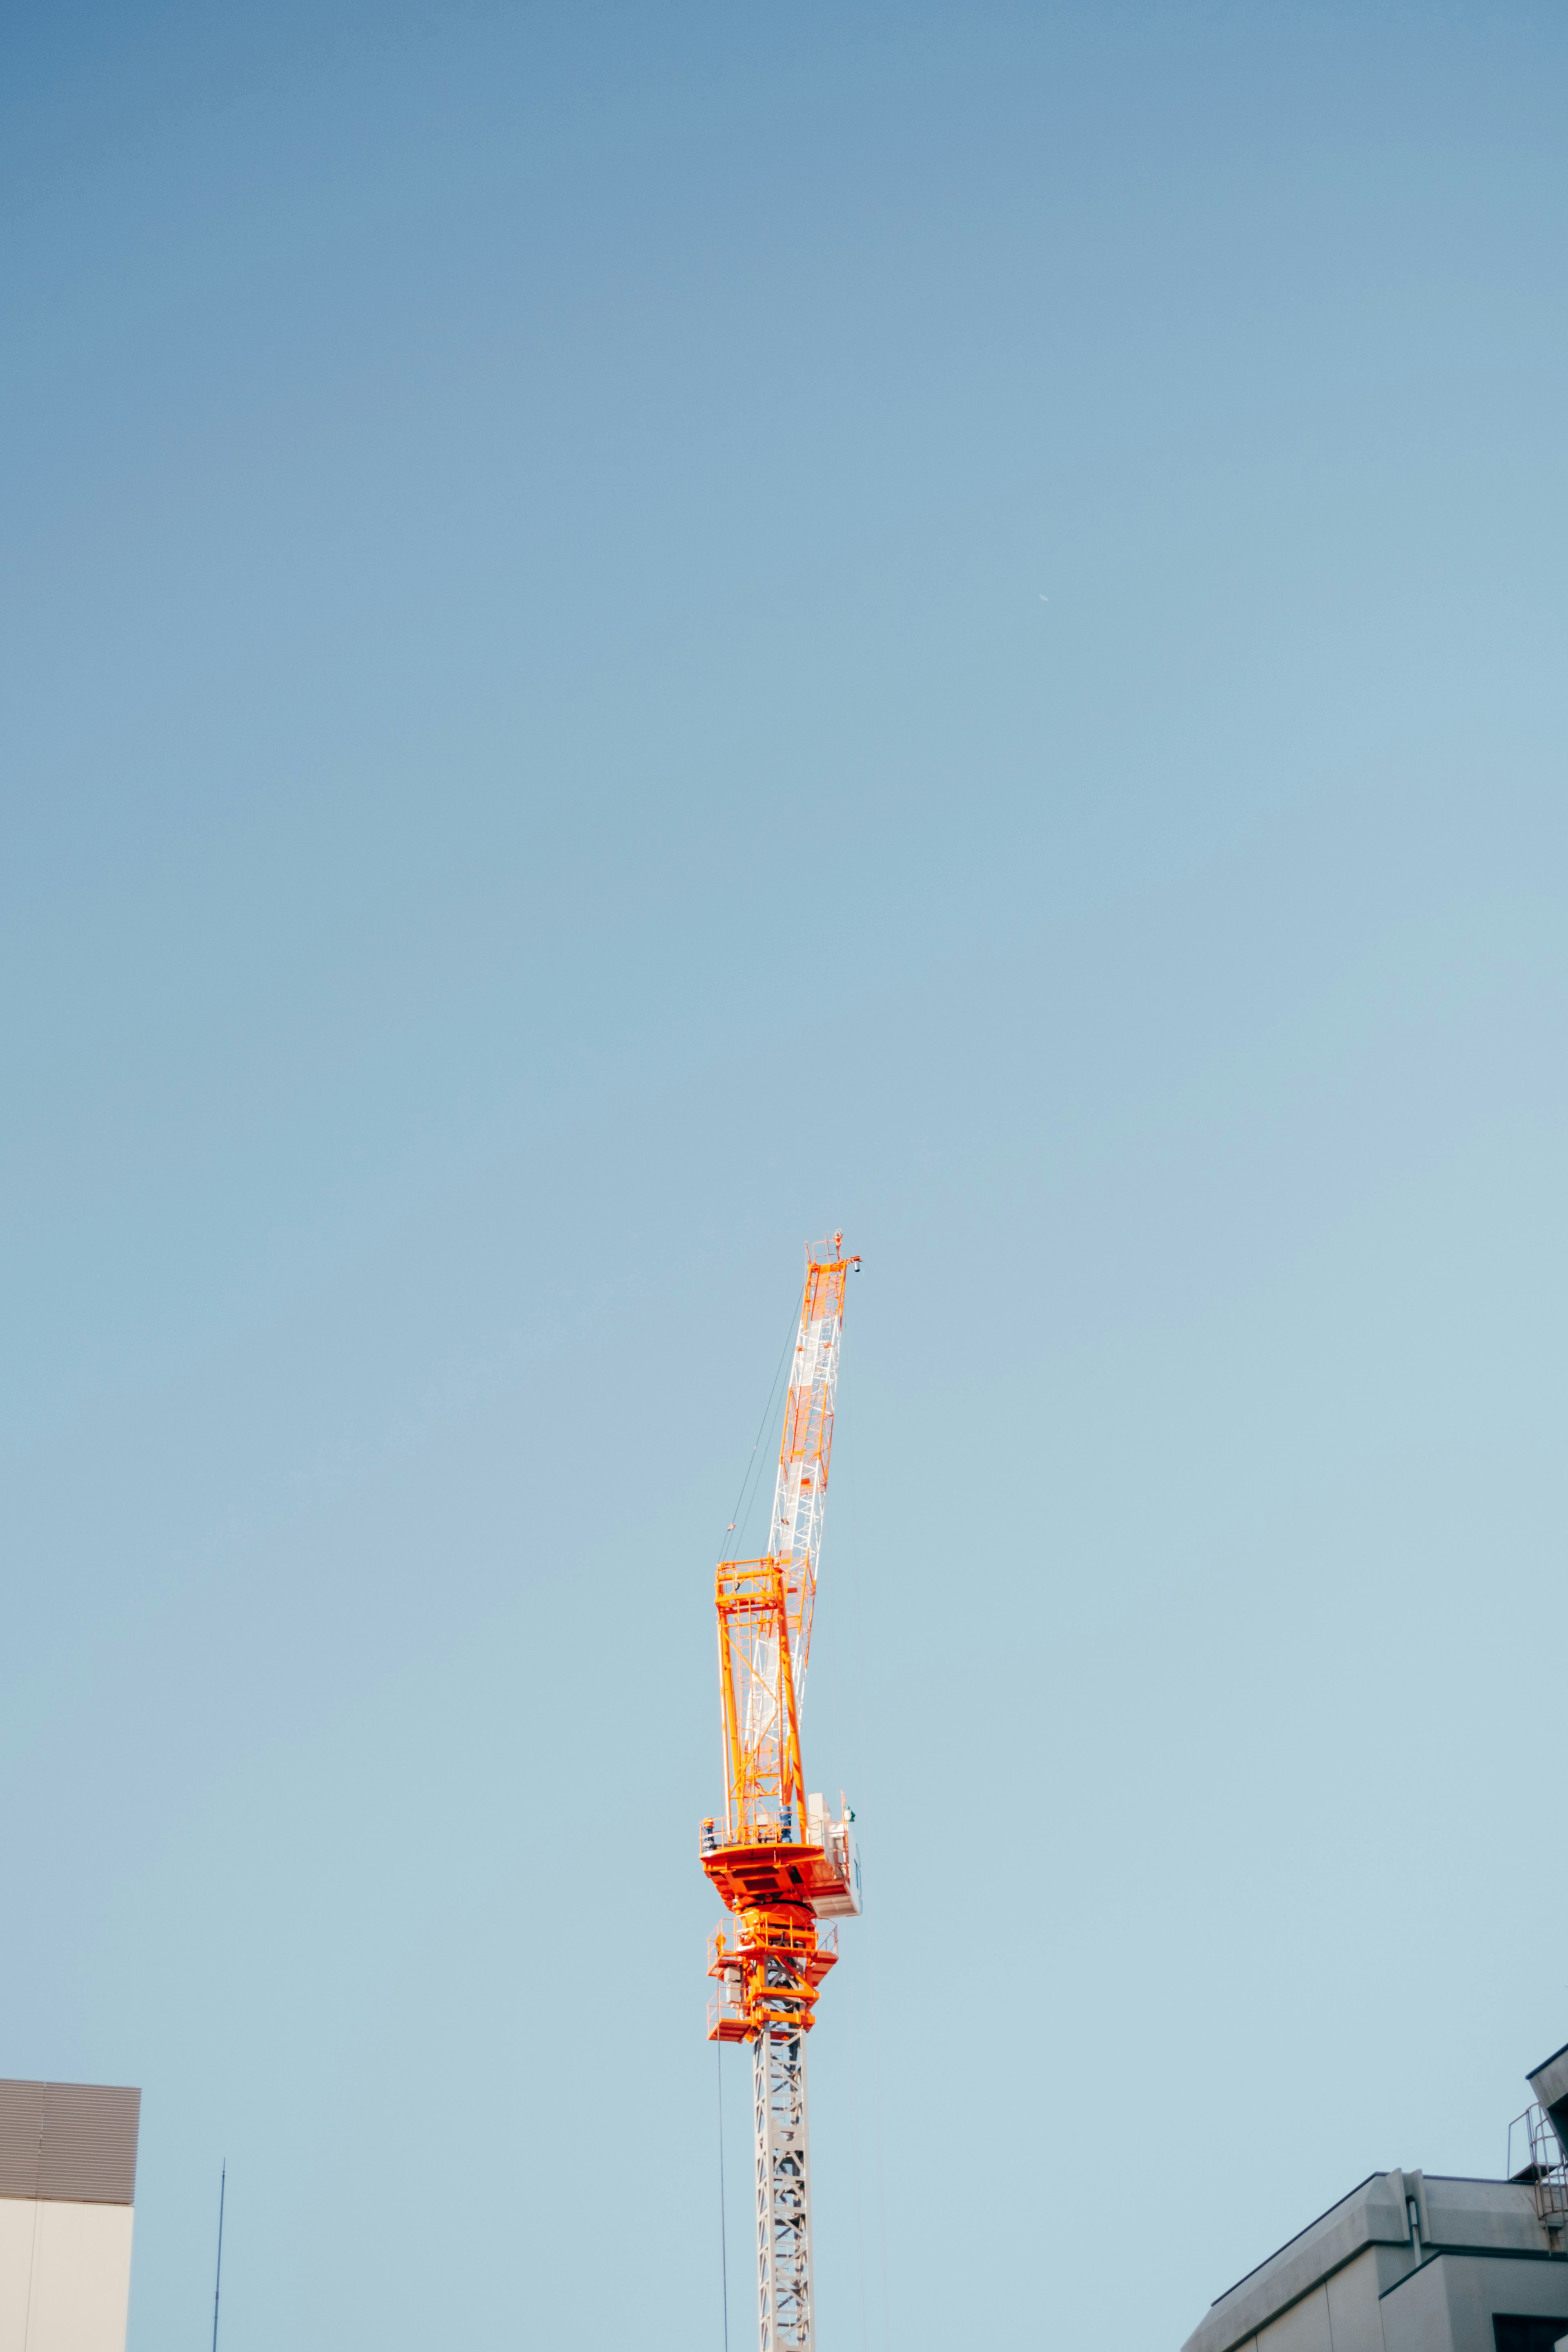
633 634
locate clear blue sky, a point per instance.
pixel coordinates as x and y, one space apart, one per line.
631 633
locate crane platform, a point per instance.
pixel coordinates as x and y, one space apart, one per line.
823 1878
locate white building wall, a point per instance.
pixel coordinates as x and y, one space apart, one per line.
65 2275
1303 2328
1355 2320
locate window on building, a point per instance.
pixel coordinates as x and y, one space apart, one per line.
1514 2332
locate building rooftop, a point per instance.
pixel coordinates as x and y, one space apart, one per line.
1416 2262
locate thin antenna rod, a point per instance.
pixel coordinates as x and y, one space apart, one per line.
218 2287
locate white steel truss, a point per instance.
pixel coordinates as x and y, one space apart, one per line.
784 2194
800 1489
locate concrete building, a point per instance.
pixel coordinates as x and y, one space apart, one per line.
1412 2261
67 2187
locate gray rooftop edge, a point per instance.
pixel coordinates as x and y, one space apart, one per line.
1549 2081
1478 2216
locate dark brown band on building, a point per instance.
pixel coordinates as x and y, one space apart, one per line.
72 2141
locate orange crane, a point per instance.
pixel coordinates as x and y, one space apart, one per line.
781 1864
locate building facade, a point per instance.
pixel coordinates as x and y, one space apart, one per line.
68 2188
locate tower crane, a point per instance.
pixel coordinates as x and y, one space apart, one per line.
779 1862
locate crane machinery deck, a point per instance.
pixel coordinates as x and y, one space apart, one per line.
779 1862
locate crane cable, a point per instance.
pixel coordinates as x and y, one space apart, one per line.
736 1521
724 2228
869 2010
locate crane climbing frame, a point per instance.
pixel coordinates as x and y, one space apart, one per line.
781 1864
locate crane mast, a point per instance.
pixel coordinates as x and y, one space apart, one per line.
781 1864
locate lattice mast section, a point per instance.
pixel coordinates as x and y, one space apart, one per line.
786 2318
